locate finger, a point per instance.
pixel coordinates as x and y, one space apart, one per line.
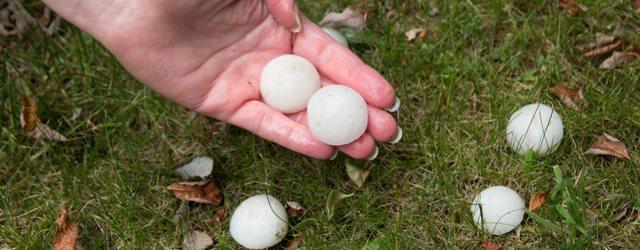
341 65
381 125
272 125
300 117
362 148
286 13
81 13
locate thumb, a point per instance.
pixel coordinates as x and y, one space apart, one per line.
286 13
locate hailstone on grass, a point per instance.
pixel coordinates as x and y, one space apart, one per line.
259 222
337 115
498 210
287 82
336 35
535 127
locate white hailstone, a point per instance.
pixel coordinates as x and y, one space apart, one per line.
259 222
498 210
535 127
336 35
337 115
287 82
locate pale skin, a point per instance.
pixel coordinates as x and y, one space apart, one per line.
207 56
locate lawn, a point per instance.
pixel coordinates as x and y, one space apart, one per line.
479 62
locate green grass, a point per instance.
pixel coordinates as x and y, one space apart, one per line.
482 60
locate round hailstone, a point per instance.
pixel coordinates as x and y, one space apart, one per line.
336 35
259 222
337 115
535 127
287 82
499 208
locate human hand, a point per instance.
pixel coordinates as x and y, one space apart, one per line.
208 56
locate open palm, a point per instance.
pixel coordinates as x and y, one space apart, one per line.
208 56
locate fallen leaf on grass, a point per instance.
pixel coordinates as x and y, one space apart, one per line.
197 240
66 231
200 167
415 33
351 17
76 114
538 200
433 11
220 214
570 6
571 97
198 191
294 209
636 6
617 58
332 201
488 245
30 123
357 175
628 214
295 243
603 44
28 117
14 19
379 243
608 145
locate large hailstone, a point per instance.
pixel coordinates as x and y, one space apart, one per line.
287 82
498 210
336 35
337 115
259 222
535 127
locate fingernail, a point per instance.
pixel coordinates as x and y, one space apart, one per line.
333 155
298 27
398 136
374 155
395 107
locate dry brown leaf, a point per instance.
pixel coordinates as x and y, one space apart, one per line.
570 6
28 116
608 145
46 132
571 97
627 214
602 40
66 231
351 17
197 240
603 45
617 58
538 200
198 191
220 214
295 243
14 19
433 11
412 34
636 6
31 125
294 209
488 245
